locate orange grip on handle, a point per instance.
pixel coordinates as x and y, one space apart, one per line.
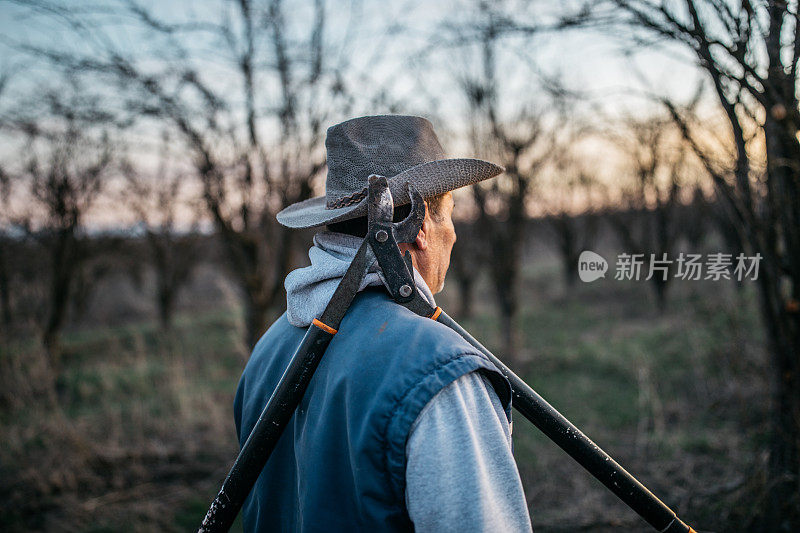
324 327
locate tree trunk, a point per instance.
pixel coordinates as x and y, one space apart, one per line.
782 512
660 288
732 241
508 314
783 327
570 268
465 263
566 230
163 261
5 289
256 312
166 304
243 252
62 269
506 291
466 285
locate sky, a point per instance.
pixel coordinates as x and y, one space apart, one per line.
388 44
591 61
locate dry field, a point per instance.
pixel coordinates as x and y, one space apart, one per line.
134 431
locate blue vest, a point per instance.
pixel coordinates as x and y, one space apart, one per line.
340 464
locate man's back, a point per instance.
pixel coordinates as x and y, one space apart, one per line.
340 465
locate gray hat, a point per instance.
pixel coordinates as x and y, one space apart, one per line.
402 148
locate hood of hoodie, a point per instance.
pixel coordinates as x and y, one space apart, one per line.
309 289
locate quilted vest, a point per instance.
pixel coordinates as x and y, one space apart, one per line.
340 464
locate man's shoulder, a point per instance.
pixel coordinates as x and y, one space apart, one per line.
376 333
279 333
273 349
379 319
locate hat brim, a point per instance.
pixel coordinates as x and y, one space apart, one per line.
430 179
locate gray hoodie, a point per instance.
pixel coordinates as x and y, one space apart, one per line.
460 471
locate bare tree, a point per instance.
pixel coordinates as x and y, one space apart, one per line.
5 288
749 51
465 264
520 138
103 255
729 231
64 166
647 221
5 244
250 105
5 222
243 191
694 219
156 199
502 216
573 202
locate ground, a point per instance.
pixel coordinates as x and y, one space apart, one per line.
133 431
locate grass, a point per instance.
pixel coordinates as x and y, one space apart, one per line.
138 427
135 432
676 397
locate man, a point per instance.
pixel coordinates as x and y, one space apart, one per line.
405 425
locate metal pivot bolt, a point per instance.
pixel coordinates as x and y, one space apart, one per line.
381 235
405 290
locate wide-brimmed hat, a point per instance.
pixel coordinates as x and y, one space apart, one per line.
402 148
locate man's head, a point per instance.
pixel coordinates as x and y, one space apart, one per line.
431 250
405 150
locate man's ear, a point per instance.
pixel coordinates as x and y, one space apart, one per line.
422 237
